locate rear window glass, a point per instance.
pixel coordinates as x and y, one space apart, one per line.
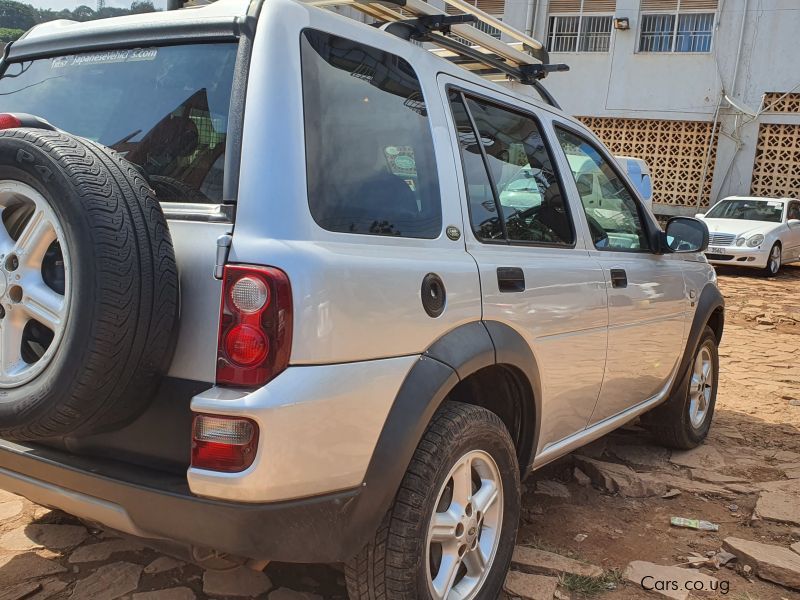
369 150
165 109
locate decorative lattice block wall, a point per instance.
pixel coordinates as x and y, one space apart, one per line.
776 171
676 152
782 103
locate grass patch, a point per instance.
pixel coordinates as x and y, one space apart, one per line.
586 587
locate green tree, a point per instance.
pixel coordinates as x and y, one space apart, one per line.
9 35
83 13
15 15
142 6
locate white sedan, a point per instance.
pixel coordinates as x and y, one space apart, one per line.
763 233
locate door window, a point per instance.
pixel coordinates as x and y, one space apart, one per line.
369 150
614 217
513 189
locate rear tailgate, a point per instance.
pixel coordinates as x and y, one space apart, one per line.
166 109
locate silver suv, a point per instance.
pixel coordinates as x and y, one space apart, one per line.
261 294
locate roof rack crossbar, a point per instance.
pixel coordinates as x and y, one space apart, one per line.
428 23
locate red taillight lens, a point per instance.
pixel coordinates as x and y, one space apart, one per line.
255 334
245 345
8 121
223 443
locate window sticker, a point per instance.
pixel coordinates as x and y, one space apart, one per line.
110 56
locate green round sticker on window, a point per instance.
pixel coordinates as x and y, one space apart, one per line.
404 162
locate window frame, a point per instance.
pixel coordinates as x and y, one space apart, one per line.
579 36
434 170
651 234
464 93
677 13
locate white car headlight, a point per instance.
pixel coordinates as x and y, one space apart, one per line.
740 242
755 240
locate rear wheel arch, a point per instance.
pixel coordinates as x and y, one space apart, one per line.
490 355
459 365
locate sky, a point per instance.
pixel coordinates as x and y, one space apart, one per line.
71 4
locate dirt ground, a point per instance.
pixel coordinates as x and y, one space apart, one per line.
755 436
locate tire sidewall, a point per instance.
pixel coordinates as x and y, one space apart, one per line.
697 434
32 167
499 446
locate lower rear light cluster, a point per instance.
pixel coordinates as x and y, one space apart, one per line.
226 444
255 335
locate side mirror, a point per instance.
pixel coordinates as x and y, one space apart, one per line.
685 234
699 215
793 222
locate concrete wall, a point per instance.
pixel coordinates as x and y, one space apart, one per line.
624 83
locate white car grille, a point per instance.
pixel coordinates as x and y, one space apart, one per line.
721 239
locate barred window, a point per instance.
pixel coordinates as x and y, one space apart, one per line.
657 33
677 30
563 36
579 34
694 32
595 34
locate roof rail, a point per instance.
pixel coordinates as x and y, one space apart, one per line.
524 60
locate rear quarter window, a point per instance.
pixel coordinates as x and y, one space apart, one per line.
369 151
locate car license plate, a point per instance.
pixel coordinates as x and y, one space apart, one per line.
716 250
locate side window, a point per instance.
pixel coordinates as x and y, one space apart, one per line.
513 189
794 210
613 214
369 150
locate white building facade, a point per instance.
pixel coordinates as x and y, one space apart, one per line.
707 91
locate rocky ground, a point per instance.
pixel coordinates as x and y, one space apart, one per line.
594 524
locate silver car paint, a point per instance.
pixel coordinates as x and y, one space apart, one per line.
646 330
356 298
317 426
195 246
562 313
359 324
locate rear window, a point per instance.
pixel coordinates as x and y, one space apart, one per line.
369 150
165 109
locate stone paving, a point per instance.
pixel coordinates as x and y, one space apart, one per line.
607 507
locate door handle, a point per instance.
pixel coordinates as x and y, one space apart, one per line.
619 278
510 279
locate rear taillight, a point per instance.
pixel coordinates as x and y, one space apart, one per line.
225 444
255 334
8 121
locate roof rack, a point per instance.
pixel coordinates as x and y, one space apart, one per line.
524 60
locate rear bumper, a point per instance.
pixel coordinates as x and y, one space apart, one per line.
160 506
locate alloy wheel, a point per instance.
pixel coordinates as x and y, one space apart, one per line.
701 387
775 260
464 530
34 283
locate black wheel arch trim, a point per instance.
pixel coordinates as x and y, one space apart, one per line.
450 359
710 310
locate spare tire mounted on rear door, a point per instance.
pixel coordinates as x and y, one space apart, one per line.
88 287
